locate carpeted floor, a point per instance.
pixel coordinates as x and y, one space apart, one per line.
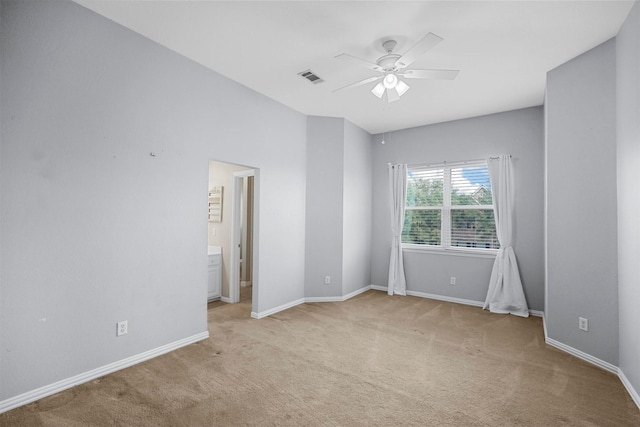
373 360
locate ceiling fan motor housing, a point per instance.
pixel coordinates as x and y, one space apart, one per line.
388 61
389 45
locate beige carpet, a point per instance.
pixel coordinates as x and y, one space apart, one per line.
373 360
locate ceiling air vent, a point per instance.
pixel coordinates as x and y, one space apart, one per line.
309 75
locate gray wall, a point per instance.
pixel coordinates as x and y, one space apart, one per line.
356 239
519 133
325 166
628 161
94 229
581 203
338 227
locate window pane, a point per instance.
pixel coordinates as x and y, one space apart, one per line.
424 188
473 228
422 227
470 186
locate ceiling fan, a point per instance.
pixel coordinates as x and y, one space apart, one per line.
392 66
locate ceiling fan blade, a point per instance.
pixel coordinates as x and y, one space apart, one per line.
360 83
431 74
392 95
366 64
423 45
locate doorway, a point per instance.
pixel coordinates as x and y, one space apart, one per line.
231 232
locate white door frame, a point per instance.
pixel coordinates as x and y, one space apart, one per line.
236 215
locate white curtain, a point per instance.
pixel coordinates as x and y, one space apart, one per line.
505 288
398 192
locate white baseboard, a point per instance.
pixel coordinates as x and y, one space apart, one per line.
244 284
323 299
261 314
282 307
225 299
434 296
338 299
445 298
59 386
473 303
582 355
356 292
632 391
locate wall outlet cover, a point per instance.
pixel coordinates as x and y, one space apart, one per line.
583 324
121 328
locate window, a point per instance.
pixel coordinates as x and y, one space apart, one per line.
450 206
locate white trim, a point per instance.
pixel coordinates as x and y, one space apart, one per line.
59 386
236 207
338 299
282 307
245 172
632 391
582 355
274 310
356 292
225 299
323 299
445 298
450 251
448 164
537 313
544 327
435 297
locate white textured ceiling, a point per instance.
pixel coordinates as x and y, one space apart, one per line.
503 49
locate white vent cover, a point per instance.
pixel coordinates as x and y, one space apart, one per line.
311 76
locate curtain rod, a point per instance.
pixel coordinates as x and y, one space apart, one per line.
447 163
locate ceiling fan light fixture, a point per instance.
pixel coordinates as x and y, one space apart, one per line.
390 81
378 90
402 87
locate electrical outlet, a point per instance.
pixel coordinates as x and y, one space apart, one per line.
583 324
121 328
327 280
452 281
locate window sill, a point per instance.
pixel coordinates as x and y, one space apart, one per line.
463 252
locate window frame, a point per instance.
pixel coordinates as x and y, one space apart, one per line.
445 248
